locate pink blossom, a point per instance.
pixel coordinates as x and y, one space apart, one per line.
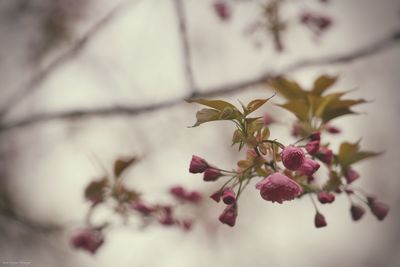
325 197
229 215
198 165
312 147
325 155
292 157
186 224
357 212
211 174
309 167
228 196
379 209
296 130
166 217
351 175
88 239
278 187
319 220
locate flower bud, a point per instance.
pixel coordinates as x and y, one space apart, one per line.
198 165
379 209
222 9
186 225
325 197
333 129
325 155
211 174
296 130
216 196
278 187
315 136
88 239
312 147
292 157
193 196
309 167
141 207
228 196
268 119
319 220
229 215
351 175
178 191
356 212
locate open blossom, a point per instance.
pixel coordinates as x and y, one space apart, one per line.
325 197
292 157
278 187
88 239
229 215
309 167
325 155
319 220
356 212
379 209
198 165
351 175
211 174
312 147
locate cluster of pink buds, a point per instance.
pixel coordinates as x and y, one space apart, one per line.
289 171
128 203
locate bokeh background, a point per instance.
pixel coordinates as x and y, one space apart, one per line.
60 59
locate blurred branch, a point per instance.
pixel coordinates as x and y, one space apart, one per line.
7 213
65 57
180 12
369 50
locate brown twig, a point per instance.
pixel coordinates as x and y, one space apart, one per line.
180 12
65 57
369 50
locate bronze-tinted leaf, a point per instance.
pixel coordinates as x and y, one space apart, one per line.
237 137
215 104
255 104
322 83
298 107
121 164
206 115
288 89
349 153
94 192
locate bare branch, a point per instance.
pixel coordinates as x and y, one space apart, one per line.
369 50
65 57
180 12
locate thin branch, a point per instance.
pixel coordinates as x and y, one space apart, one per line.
180 12
370 50
65 57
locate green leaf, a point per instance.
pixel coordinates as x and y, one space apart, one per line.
349 153
121 164
206 115
288 89
333 183
215 104
322 83
95 190
298 107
